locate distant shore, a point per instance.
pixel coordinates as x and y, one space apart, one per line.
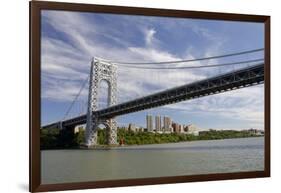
54 139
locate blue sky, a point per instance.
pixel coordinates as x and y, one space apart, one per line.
70 39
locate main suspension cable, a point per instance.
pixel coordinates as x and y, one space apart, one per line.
201 66
190 60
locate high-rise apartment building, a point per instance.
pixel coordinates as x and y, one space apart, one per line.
158 125
149 123
167 123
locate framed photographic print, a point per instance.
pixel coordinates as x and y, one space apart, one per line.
123 96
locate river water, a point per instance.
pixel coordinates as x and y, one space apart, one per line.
157 160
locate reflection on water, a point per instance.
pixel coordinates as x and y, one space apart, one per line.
187 158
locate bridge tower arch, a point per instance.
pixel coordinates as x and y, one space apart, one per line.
101 70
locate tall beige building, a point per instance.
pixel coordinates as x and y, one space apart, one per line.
158 125
149 123
167 123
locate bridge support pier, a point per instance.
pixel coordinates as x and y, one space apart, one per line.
111 132
112 137
91 135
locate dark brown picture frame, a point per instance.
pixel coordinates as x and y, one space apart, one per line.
35 92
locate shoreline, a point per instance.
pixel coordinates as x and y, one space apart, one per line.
104 147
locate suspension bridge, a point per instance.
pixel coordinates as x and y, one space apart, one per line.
106 70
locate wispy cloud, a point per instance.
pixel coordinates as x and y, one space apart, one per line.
149 36
70 59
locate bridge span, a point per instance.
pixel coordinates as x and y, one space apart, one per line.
241 78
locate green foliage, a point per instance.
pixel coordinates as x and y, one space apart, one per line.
140 138
80 137
60 139
102 136
66 139
224 134
48 138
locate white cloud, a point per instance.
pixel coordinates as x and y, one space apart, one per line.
149 36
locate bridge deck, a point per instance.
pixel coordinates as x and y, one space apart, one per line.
233 80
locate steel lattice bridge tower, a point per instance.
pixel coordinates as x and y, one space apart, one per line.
101 70
105 70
